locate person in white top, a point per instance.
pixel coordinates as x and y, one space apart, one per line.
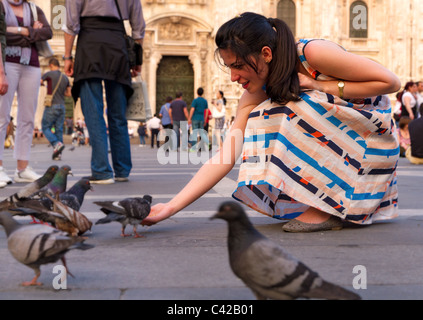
409 101
153 125
218 113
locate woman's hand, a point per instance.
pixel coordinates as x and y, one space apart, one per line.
37 25
308 83
4 84
159 212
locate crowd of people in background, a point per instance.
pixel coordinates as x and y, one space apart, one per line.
201 121
408 112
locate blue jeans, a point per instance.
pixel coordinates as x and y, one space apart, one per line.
198 128
181 130
53 116
91 94
142 139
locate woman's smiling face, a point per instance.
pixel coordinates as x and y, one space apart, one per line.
244 74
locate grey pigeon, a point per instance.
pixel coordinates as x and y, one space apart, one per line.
265 267
58 184
30 188
35 245
127 211
60 216
73 197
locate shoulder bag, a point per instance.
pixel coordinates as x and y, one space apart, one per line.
43 47
48 100
134 48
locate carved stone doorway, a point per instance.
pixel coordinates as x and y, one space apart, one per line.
174 73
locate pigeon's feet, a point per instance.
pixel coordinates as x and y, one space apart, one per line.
33 282
137 235
123 235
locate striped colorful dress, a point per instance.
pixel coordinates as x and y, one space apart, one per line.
335 155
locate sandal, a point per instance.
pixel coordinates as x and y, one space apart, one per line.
333 223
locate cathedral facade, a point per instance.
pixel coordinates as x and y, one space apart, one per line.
179 49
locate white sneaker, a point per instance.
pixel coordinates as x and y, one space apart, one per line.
4 177
3 184
27 175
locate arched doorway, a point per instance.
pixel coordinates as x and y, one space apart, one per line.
174 73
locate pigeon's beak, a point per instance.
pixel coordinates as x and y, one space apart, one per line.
70 172
215 216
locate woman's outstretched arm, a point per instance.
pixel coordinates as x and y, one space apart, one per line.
214 170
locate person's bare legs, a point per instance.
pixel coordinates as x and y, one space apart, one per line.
21 165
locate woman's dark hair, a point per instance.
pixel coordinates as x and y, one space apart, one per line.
223 97
247 34
407 87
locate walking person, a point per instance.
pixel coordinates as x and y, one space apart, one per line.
302 161
196 118
218 114
178 115
153 125
165 117
141 134
4 86
22 67
54 116
101 55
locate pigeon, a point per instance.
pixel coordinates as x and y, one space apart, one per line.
127 211
266 268
57 185
30 188
73 197
61 216
35 245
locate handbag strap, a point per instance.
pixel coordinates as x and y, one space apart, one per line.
34 10
57 85
117 6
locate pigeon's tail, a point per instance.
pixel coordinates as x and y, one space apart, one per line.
332 291
104 220
83 246
111 216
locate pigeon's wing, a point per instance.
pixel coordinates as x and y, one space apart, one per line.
70 200
271 272
111 206
80 221
136 208
36 209
34 186
29 243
